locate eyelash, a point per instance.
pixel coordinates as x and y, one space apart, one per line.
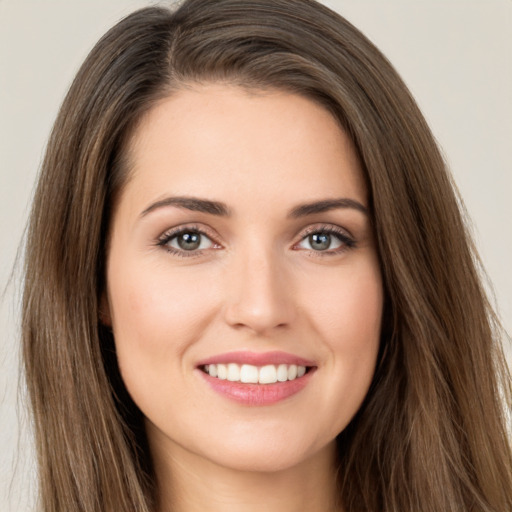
164 240
348 243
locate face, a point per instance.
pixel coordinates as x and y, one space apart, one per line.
243 286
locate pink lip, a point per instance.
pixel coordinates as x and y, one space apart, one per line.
257 394
257 359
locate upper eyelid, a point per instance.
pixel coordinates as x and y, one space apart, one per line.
331 228
175 231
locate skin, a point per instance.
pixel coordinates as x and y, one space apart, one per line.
257 284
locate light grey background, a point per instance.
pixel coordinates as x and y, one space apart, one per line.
455 55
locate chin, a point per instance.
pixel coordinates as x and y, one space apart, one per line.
270 455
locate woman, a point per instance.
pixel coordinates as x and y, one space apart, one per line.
248 283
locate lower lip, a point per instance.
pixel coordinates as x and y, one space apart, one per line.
257 394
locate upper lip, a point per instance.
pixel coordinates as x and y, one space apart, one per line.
257 358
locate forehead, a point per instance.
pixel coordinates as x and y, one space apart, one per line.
224 141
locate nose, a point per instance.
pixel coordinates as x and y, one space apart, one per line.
259 294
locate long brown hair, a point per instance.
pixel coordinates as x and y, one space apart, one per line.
432 432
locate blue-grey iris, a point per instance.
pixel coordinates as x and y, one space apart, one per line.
320 241
189 241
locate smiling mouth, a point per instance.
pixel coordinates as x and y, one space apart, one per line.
250 374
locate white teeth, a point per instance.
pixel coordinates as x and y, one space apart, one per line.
233 372
268 374
249 374
222 371
282 373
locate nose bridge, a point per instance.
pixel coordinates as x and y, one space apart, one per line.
258 296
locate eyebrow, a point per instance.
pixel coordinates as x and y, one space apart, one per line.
326 205
220 209
190 203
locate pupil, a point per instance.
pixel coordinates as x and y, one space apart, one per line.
320 241
189 241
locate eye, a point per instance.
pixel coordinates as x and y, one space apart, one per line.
330 240
188 240
322 241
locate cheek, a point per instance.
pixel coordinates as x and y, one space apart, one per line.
346 317
355 330
347 309
156 316
149 303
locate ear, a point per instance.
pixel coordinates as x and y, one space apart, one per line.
104 310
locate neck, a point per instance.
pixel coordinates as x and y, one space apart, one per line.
189 483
